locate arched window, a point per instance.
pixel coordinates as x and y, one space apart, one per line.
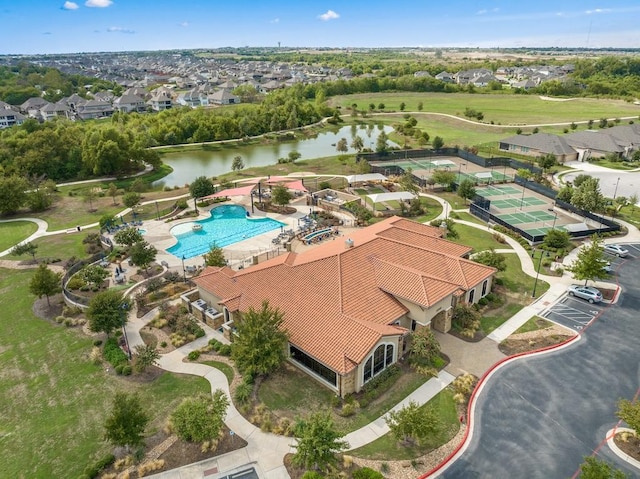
381 359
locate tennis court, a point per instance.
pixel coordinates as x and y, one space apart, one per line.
522 217
503 204
502 190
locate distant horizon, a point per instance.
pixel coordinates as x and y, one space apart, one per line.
40 27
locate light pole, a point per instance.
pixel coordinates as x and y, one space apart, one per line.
184 271
123 308
459 170
615 192
157 211
535 283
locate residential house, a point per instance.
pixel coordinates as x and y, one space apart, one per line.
129 102
348 306
51 111
32 106
540 144
224 97
9 117
596 144
445 76
94 109
160 101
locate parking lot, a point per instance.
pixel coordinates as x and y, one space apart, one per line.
573 313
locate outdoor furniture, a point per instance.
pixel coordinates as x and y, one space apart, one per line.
104 263
120 279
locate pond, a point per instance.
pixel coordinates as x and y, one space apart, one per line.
188 165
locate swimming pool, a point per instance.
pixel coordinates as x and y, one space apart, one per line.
227 225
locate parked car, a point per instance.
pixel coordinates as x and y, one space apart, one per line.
589 293
616 250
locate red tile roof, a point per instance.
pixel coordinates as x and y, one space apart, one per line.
338 302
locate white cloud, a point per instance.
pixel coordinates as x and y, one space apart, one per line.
330 15
70 6
484 11
275 20
598 10
119 30
98 3
481 12
184 24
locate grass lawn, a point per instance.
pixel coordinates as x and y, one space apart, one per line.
615 165
516 281
387 447
498 316
53 399
14 232
62 246
630 213
225 368
499 108
477 239
292 393
463 215
433 210
534 324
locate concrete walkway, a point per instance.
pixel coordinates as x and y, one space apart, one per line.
41 231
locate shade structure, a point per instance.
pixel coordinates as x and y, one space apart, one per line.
398 195
366 177
242 191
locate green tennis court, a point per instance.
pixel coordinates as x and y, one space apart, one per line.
542 231
499 190
521 218
503 204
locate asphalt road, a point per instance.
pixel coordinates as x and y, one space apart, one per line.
628 184
539 417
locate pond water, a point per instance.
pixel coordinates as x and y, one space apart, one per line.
188 165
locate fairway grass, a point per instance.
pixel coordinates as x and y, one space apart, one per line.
504 109
14 232
53 400
62 246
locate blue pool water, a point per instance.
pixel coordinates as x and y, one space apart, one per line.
228 224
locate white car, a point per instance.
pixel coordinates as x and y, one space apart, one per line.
616 250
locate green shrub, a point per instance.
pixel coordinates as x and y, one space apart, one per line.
367 473
97 342
483 301
76 282
243 392
312 475
126 370
181 203
97 467
193 355
225 350
163 344
336 401
119 368
113 354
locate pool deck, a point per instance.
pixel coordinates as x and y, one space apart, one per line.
158 234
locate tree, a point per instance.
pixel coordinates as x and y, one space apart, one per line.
45 282
146 355
444 177
318 442
128 236
237 163
578 180
633 200
113 191
88 196
629 412
215 257
557 239
260 345
357 143
25 248
107 311
589 264
201 187
412 423
547 161
466 190
588 197
381 142
126 424
131 199
408 182
424 345
381 106
593 468
200 418
491 258
437 143
342 145
13 193
281 195
143 254
93 274
402 106
565 193
293 156
524 173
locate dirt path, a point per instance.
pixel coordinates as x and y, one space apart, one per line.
13 264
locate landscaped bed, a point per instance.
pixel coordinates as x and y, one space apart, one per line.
536 333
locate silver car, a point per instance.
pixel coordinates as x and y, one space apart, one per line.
589 293
616 250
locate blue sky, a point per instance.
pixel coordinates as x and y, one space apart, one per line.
50 26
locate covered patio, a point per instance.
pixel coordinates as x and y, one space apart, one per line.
390 197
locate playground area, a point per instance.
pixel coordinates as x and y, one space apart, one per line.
465 170
530 211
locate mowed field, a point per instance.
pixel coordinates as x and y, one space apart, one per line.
504 109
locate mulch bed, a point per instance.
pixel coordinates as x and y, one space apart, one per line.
631 447
42 310
516 346
478 336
